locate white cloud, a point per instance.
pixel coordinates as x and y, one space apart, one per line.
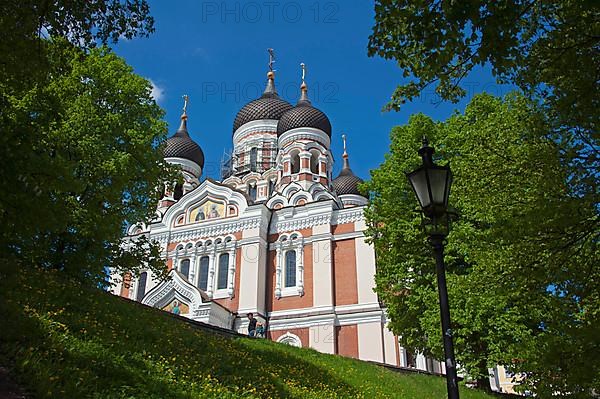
157 92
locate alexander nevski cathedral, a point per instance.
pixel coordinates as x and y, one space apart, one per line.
279 236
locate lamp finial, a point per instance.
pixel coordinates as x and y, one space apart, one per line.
426 152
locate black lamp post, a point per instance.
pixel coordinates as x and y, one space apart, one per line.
431 183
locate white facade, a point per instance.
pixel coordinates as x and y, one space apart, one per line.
278 237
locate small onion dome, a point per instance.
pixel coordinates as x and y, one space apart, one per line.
304 115
181 145
346 182
267 106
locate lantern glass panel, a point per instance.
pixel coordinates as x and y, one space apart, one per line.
448 185
437 180
418 180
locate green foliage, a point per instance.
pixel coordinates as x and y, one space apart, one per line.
522 259
549 49
80 136
81 156
82 23
66 340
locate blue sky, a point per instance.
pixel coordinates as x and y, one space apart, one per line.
215 51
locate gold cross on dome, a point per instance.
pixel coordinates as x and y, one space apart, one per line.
271 58
186 100
303 71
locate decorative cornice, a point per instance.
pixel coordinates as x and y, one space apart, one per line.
300 223
186 165
267 126
353 199
220 227
304 133
348 215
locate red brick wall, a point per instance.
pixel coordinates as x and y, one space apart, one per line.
347 341
342 228
344 268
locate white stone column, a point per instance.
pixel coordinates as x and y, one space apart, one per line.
322 336
389 344
193 268
370 345
253 271
231 274
211 274
323 171
365 267
176 260
403 356
300 268
322 267
278 271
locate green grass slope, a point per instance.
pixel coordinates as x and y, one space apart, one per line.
64 341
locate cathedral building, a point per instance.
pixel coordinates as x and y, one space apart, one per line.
279 236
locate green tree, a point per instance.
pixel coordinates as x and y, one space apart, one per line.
549 49
80 137
522 275
81 157
82 23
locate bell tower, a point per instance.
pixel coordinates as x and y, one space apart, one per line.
304 138
184 152
253 166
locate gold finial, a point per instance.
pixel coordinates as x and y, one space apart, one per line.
303 86
271 59
186 100
345 155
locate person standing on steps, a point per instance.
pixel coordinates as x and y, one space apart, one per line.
251 325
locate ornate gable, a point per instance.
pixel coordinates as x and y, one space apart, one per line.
175 292
209 201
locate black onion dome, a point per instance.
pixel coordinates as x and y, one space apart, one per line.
181 145
347 182
267 106
304 115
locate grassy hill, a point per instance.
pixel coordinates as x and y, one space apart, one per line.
65 341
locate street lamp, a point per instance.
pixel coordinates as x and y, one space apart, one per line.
431 184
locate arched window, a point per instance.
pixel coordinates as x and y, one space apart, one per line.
203 278
290 268
295 162
178 193
314 162
184 268
290 339
272 186
223 269
141 291
252 191
253 159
